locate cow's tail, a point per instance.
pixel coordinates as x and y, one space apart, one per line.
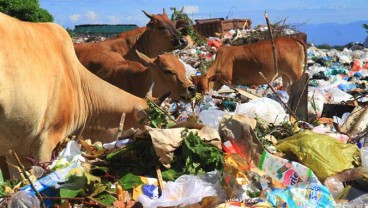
305 47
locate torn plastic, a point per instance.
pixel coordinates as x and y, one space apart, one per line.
323 154
185 190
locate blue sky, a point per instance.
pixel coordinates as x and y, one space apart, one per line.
73 12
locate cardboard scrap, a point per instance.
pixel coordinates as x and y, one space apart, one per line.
166 141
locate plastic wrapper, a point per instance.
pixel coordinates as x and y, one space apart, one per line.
335 183
323 154
359 202
286 172
186 190
265 109
300 195
240 182
211 118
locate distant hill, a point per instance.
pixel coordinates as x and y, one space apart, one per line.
334 34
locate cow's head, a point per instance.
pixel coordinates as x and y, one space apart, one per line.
168 73
203 82
162 31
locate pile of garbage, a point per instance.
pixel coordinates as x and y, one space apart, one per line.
229 148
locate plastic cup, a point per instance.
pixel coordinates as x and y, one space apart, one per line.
364 156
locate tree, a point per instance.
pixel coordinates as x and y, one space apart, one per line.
365 26
25 10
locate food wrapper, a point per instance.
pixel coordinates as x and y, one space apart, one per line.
300 195
240 182
284 171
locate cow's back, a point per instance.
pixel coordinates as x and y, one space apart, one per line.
241 65
35 69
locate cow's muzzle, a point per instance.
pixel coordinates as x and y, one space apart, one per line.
180 43
190 93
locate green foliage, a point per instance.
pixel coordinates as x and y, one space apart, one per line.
8 185
130 181
194 157
281 131
365 26
70 32
26 10
137 158
157 117
189 30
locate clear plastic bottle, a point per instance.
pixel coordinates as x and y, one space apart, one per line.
24 199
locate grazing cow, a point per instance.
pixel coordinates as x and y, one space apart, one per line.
119 54
166 71
46 94
240 65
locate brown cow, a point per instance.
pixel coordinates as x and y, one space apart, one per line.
166 71
46 94
240 65
119 55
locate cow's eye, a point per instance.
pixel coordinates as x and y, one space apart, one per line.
168 72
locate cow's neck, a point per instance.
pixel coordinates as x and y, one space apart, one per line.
126 40
105 103
146 45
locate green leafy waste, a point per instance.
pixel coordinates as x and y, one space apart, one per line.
194 157
130 181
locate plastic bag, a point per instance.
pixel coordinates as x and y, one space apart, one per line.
338 96
211 118
300 195
265 109
187 189
335 183
323 154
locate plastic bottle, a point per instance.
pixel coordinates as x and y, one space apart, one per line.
361 201
23 199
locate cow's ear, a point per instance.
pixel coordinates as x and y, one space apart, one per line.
215 78
146 61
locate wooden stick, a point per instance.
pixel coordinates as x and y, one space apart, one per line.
273 90
300 98
159 178
121 127
29 180
273 43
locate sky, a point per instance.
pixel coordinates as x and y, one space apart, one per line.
69 13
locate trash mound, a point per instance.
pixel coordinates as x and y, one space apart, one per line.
236 147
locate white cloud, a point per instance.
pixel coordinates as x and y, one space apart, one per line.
113 19
91 16
74 17
191 9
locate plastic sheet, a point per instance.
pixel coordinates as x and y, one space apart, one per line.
265 109
323 154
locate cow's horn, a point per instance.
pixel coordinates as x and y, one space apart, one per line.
147 14
164 12
149 93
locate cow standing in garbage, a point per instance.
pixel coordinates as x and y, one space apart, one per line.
240 65
119 60
46 94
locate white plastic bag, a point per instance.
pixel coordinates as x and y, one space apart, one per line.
211 118
187 189
265 109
